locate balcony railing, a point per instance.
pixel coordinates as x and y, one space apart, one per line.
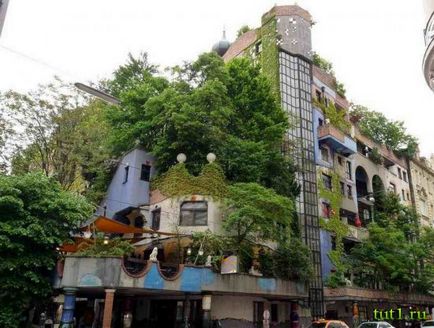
336 139
110 272
364 294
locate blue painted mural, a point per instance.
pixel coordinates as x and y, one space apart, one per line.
153 279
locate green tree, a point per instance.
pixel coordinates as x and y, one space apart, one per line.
379 128
327 66
64 134
229 110
243 29
383 259
255 214
338 118
36 216
291 261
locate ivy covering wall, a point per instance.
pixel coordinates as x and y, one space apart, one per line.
336 227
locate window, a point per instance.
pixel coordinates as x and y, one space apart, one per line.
325 154
327 181
366 215
127 169
318 95
348 170
392 187
156 215
408 196
145 172
342 188
399 173
340 160
403 194
325 209
404 176
258 48
350 191
194 214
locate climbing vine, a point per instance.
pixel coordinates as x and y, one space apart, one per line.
335 226
177 181
337 117
270 54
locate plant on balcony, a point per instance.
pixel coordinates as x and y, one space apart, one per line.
291 261
335 226
255 213
375 156
337 117
115 247
327 66
384 131
177 181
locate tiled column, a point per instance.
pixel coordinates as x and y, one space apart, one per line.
108 308
67 319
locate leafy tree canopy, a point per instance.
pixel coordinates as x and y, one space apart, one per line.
379 128
35 217
209 106
243 29
397 255
327 66
256 213
64 135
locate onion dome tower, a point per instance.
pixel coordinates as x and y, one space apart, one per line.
221 46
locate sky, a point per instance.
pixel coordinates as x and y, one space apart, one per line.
376 46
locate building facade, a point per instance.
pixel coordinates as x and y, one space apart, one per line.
283 46
422 176
428 59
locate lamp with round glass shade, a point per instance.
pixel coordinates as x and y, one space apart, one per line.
106 240
181 158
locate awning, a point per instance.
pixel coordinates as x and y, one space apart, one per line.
106 225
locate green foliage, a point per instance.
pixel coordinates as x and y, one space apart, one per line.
265 258
270 55
35 217
384 258
375 156
115 247
255 213
322 63
384 131
229 110
65 136
212 244
337 117
177 181
397 255
243 29
327 66
336 227
291 261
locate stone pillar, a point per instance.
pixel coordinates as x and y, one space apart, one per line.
108 308
206 307
67 320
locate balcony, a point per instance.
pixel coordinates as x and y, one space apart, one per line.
94 274
336 139
364 294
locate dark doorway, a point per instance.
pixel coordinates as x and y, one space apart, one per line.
163 313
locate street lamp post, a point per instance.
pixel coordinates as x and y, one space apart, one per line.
98 93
